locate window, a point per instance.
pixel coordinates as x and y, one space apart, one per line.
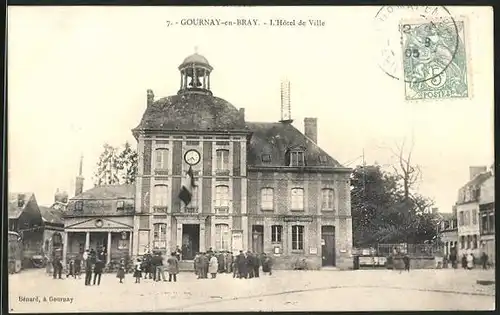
491 224
161 159
297 158
327 199
466 218
222 163
222 237
297 237
266 158
161 194
474 241
120 205
484 223
160 235
474 216
267 198
276 233
461 218
469 239
79 205
462 242
297 199
222 196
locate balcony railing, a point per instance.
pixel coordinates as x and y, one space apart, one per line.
190 209
161 171
160 209
222 210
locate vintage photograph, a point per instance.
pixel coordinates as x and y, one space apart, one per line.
212 159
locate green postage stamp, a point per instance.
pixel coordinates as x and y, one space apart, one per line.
434 59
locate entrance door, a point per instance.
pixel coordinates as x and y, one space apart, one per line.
257 238
328 245
190 241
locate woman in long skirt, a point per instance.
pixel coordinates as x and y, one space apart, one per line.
121 271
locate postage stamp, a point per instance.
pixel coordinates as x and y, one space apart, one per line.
434 59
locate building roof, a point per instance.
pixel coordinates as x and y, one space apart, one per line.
126 191
51 215
192 112
478 179
276 138
195 58
13 207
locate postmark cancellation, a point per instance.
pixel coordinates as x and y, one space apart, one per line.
435 59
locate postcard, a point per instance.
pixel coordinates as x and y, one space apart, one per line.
192 159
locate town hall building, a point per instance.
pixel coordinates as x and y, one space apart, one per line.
258 186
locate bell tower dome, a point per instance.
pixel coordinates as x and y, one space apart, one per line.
195 75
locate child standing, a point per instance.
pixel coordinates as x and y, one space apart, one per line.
71 269
137 271
121 271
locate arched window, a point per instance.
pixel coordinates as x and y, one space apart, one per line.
159 235
161 159
327 199
267 198
161 196
222 160
222 237
297 199
222 196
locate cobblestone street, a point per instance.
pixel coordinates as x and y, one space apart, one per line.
361 290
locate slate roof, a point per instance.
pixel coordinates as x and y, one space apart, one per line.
276 138
109 192
14 210
478 180
192 112
51 215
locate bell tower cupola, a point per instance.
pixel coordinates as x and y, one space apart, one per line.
195 75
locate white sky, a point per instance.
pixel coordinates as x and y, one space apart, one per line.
78 78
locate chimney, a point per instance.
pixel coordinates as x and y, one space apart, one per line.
79 179
20 200
150 97
475 170
311 128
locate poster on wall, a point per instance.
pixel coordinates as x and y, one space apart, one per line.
237 242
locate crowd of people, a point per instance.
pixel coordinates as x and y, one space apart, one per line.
242 266
154 265
468 261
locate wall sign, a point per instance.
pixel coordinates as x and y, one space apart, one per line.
313 250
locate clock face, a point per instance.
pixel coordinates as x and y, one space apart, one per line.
192 157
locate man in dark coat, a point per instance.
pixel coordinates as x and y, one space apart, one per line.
88 262
256 265
221 268
197 265
250 265
241 264
98 267
57 266
204 266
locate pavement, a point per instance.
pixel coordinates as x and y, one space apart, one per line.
360 290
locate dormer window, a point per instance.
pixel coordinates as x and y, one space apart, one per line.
323 159
295 157
266 158
79 205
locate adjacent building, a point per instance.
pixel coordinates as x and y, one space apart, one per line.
448 231
467 206
487 217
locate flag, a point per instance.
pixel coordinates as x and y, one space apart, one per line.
186 193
